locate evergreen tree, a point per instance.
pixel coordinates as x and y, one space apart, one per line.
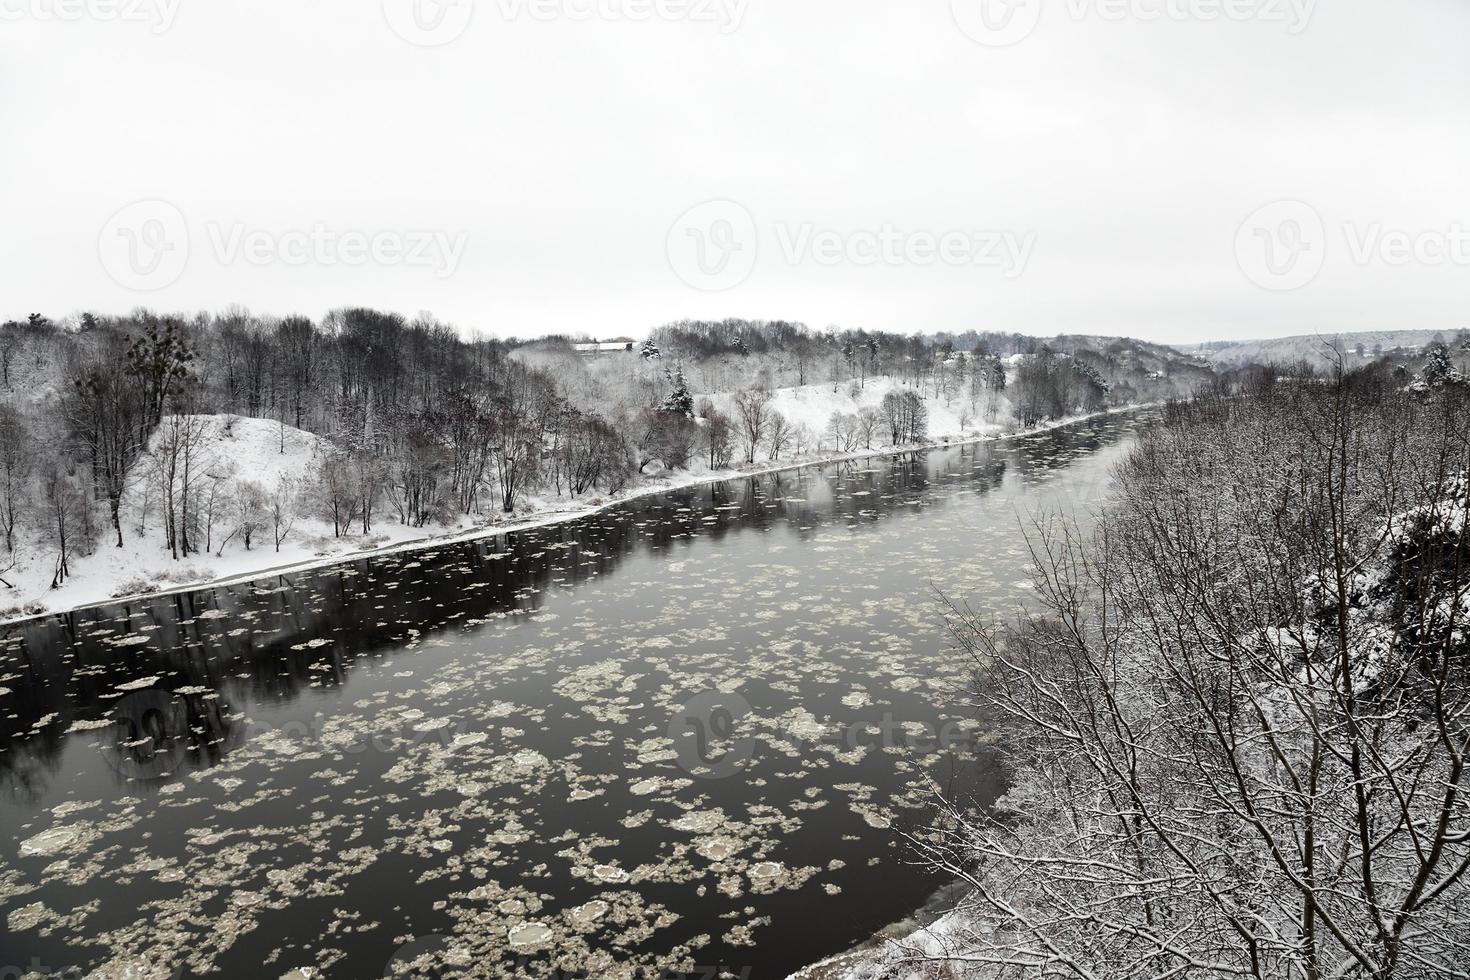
680 399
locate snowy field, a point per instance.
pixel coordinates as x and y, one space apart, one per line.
264 452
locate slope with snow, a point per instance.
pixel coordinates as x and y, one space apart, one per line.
233 449
1320 350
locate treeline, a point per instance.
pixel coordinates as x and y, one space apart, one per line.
421 423
1239 732
785 354
105 421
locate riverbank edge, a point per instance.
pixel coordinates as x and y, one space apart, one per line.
562 515
867 952
835 967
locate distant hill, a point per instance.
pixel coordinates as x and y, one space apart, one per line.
1137 369
1317 349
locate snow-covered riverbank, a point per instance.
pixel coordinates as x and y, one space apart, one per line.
141 569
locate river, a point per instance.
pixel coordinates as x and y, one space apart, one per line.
685 734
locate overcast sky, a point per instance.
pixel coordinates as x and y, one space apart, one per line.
1176 170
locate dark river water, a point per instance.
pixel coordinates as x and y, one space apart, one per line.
686 734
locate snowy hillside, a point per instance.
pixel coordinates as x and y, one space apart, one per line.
813 407
1316 349
233 465
231 451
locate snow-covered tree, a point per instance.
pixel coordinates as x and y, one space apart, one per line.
680 400
1439 370
1239 734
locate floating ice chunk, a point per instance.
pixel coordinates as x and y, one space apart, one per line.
27 916
609 873
698 823
52 841
584 915
528 934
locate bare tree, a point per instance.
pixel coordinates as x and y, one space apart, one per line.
217 478
16 460
719 437
249 512
753 409
869 422
176 467
64 504
779 432
1239 729
285 508
339 491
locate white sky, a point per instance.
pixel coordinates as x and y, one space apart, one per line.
1126 151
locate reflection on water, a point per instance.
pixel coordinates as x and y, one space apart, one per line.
686 732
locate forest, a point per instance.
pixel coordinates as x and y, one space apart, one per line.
136 430
1237 725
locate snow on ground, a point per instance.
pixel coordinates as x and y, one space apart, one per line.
814 405
234 448
252 448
